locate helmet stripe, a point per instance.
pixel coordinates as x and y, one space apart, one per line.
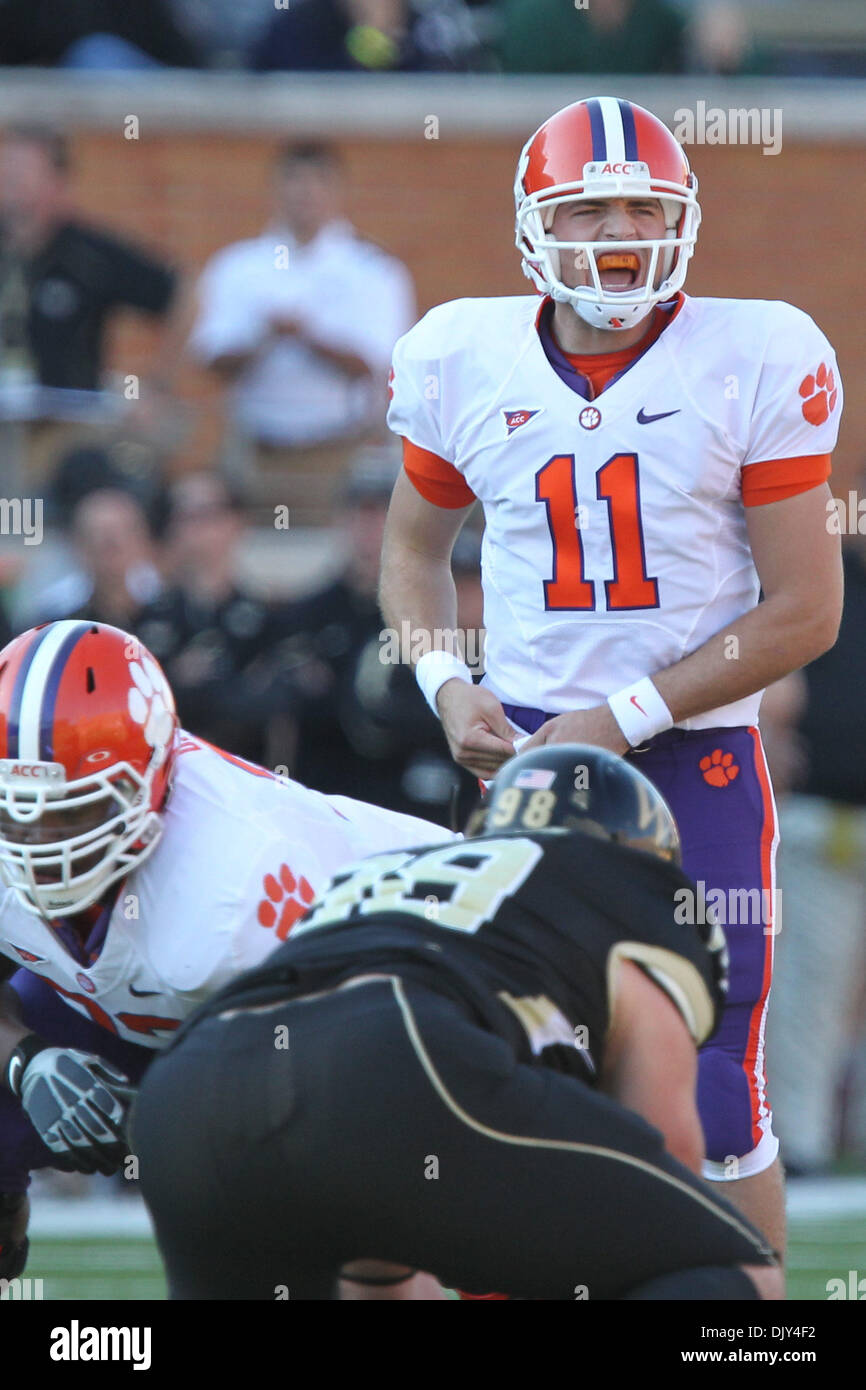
613 132
47 666
14 719
629 130
596 126
52 685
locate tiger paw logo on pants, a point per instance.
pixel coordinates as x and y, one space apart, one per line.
719 768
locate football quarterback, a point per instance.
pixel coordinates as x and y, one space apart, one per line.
650 465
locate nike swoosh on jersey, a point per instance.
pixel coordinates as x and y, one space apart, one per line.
143 993
643 419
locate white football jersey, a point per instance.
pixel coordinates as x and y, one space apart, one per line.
615 539
240 859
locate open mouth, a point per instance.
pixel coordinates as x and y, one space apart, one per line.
618 270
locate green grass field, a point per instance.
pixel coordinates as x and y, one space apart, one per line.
110 1267
824 1249
821 1248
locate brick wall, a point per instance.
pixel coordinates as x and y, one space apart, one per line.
775 227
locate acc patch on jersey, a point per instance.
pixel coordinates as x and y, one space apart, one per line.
515 418
26 955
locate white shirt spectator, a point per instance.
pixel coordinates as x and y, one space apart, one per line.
346 292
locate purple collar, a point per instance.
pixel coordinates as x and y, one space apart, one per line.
564 369
88 953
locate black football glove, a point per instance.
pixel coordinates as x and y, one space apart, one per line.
77 1103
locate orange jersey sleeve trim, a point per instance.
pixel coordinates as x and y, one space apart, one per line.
777 479
437 480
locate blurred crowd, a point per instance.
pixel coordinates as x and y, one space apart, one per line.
276 662
635 36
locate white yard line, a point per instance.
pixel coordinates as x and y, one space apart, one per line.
65 1218
811 1199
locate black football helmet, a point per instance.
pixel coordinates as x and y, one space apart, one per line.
574 786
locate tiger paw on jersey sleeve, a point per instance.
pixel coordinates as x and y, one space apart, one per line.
286 900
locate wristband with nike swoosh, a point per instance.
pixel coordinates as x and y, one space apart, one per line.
640 712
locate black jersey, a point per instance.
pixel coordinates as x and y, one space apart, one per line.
524 928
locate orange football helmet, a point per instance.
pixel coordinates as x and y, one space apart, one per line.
605 148
87 730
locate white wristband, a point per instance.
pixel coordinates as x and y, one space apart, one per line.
640 712
433 669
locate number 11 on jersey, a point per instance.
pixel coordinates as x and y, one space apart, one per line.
617 484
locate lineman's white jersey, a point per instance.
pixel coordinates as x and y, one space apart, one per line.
615 539
241 856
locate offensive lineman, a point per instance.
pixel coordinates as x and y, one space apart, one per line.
533 1036
142 868
648 463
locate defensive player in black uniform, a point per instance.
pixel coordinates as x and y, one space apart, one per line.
477 1060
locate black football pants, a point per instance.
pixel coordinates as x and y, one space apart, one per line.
378 1121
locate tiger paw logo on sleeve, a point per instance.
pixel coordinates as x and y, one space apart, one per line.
819 395
286 900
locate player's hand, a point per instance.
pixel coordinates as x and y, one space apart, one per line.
78 1104
479 735
596 726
